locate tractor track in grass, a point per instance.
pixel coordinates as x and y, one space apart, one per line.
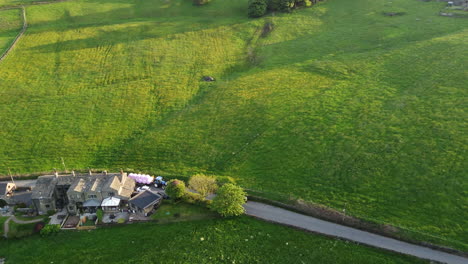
15 41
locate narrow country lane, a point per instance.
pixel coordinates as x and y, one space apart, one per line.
282 216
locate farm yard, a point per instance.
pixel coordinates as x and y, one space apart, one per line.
339 105
208 241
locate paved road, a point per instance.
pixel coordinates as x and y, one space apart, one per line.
282 216
24 183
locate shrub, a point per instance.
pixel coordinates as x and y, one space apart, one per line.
50 212
50 229
203 184
193 198
175 189
285 5
38 227
257 8
100 214
221 180
229 200
121 221
3 203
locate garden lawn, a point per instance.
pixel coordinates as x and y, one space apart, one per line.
10 26
180 211
2 221
20 230
339 105
241 240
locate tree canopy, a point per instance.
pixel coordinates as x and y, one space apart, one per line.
229 200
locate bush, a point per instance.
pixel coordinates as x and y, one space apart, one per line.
193 198
3 203
175 189
257 8
229 200
100 214
201 2
121 221
203 184
50 212
221 180
50 229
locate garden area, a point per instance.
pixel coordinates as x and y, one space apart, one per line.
180 211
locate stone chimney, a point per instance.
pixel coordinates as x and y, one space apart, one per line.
73 173
89 172
55 173
105 172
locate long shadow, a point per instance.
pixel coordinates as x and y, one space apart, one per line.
173 11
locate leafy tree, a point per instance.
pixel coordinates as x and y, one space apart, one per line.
50 229
203 184
221 180
100 215
257 8
229 200
175 189
285 5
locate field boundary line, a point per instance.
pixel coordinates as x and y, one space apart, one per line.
15 41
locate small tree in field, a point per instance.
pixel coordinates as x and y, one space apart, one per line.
257 8
229 200
203 184
175 189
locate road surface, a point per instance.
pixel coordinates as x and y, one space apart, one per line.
282 216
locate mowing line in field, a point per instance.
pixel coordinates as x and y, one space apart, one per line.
25 26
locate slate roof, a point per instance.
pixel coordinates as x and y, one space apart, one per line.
3 188
145 199
44 187
92 202
22 197
83 183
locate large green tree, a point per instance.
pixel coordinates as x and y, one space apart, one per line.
257 8
203 184
175 189
229 200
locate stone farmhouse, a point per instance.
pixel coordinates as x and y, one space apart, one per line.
86 192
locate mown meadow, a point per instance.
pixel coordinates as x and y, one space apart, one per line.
339 105
10 26
241 240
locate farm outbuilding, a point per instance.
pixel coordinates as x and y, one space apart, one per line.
145 202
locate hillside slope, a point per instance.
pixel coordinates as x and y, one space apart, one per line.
339 105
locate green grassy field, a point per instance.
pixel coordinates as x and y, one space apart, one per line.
20 230
10 26
242 240
339 105
175 212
